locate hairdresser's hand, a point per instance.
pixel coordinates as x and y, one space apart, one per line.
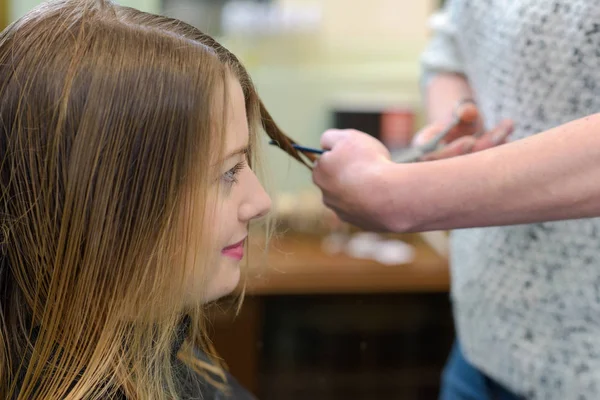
352 177
467 137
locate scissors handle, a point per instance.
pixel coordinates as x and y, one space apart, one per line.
414 154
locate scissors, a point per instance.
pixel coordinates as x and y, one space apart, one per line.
460 115
467 115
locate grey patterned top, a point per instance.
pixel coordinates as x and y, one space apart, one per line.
527 298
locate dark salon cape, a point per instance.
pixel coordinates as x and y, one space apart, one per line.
192 386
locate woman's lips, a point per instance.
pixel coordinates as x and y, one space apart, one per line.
235 251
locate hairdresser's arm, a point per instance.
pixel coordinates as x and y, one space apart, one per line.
550 176
442 68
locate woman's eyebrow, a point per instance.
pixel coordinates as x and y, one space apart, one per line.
242 150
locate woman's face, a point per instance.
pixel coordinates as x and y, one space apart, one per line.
237 197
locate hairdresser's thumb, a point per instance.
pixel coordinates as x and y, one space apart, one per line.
333 136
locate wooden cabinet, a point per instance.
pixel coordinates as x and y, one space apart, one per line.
326 327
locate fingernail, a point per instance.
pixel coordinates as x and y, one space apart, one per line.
500 135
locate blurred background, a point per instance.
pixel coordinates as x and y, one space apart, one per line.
330 312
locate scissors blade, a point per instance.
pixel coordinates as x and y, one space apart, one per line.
412 154
415 153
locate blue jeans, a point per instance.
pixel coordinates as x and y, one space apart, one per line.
463 381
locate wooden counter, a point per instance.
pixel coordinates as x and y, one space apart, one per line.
297 265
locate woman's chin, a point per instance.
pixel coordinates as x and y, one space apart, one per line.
226 281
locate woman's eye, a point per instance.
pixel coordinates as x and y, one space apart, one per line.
230 177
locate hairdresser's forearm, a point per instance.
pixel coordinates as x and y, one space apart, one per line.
551 176
442 93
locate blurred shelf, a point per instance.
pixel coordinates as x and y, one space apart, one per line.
297 265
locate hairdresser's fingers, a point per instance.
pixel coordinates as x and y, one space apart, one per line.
348 175
350 147
464 128
432 130
494 137
356 207
471 144
458 147
427 133
467 113
468 123
333 136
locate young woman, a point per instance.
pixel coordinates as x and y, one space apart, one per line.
126 142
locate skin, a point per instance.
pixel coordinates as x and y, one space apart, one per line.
237 199
545 177
358 165
468 136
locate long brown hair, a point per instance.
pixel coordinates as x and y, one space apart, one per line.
107 117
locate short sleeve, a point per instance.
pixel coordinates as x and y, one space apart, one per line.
442 53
